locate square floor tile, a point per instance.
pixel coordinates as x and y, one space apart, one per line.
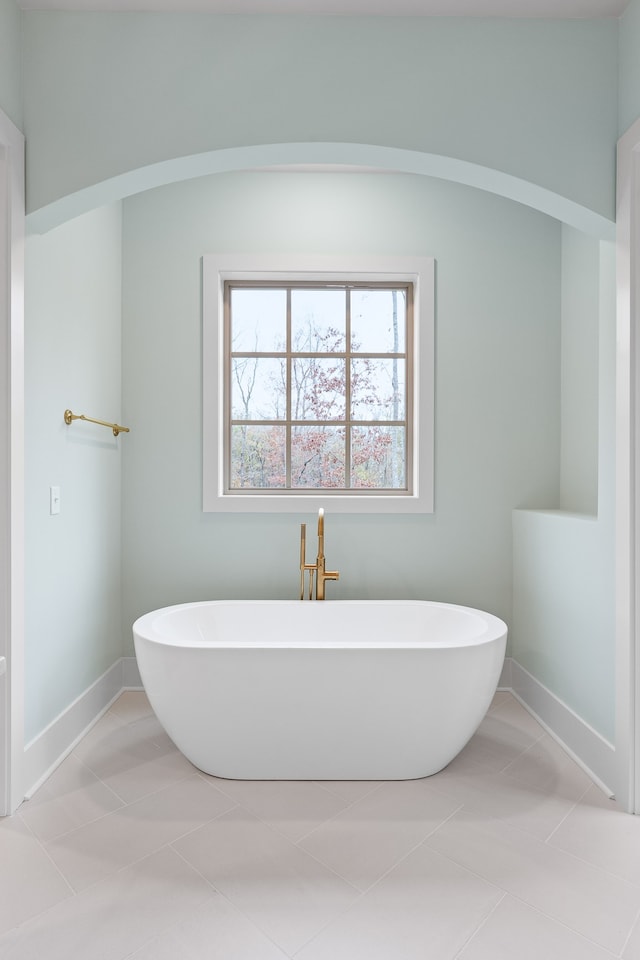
598 831
292 807
632 947
133 759
286 892
596 904
514 929
97 850
500 796
71 797
517 716
29 881
115 917
372 835
547 767
131 705
214 930
498 741
350 790
424 909
500 697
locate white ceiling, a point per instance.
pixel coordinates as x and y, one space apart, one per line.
561 9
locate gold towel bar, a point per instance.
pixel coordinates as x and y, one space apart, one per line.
70 417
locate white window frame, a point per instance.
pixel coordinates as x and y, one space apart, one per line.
417 270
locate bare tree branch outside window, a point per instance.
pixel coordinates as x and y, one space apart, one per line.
317 386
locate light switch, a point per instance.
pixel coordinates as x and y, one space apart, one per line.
54 500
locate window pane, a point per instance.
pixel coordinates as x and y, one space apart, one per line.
318 389
378 321
378 457
377 389
288 415
257 456
258 388
317 457
258 320
318 322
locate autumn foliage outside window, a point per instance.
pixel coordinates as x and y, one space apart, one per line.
317 387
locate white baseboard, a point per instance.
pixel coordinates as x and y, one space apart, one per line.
46 751
585 745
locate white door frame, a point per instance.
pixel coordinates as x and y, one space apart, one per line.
628 470
12 234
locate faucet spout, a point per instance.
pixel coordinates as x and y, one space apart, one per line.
320 532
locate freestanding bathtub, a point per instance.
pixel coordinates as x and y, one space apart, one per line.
342 690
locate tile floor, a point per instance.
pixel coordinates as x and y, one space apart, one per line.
129 852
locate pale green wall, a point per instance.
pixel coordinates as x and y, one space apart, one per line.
11 61
73 352
629 67
497 387
563 630
563 563
107 93
579 372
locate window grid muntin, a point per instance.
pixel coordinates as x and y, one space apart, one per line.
348 355
289 368
347 390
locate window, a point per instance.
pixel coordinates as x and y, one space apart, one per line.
318 383
316 386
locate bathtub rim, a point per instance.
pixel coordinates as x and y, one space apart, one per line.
495 630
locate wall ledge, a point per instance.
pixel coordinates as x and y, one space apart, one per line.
558 513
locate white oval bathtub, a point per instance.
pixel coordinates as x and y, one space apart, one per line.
343 690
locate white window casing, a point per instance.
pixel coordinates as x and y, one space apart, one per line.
419 271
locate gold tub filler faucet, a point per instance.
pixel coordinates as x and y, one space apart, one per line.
316 569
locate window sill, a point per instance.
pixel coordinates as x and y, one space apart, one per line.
300 503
